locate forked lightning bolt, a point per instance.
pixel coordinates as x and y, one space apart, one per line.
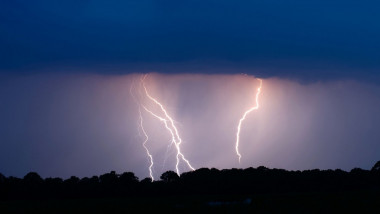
243 118
146 149
171 128
145 135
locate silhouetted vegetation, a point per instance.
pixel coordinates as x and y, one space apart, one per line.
228 187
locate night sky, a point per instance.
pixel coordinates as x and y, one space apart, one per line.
66 69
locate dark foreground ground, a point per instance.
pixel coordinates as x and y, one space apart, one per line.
251 190
349 202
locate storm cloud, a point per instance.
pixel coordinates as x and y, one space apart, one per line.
86 124
308 40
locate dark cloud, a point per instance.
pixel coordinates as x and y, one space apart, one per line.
306 40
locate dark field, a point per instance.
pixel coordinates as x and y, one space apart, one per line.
251 190
350 202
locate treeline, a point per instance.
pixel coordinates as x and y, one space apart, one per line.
248 181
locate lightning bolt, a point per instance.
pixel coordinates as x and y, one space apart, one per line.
145 134
169 125
166 126
244 116
144 145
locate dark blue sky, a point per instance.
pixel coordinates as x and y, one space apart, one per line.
298 39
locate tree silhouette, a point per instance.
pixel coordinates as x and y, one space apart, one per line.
73 180
33 178
146 181
128 178
376 167
203 181
2 178
108 178
169 176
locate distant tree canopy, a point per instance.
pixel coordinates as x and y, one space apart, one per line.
2 178
201 181
33 177
169 176
128 178
376 167
146 180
